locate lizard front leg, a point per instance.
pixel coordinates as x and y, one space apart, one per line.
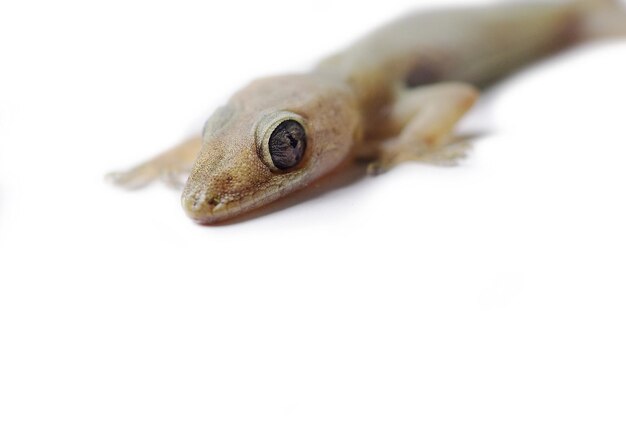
172 167
423 119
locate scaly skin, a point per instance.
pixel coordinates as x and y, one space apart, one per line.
394 96
229 176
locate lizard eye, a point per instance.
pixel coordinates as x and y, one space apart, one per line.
286 144
283 142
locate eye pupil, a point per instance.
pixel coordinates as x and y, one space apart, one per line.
287 144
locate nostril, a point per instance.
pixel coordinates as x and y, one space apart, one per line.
201 201
213 201
204 206
195 202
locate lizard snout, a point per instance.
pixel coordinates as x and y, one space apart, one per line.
203 207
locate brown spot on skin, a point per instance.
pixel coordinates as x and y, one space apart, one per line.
424 72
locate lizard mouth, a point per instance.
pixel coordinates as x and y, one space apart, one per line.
206 208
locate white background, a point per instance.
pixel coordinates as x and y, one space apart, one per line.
484 302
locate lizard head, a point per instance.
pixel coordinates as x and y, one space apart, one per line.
273 137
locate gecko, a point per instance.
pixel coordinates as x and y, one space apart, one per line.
394 96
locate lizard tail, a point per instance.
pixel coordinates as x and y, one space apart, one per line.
602 19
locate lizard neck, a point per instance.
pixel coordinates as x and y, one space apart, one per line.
370 86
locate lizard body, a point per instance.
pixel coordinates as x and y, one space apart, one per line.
393 96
